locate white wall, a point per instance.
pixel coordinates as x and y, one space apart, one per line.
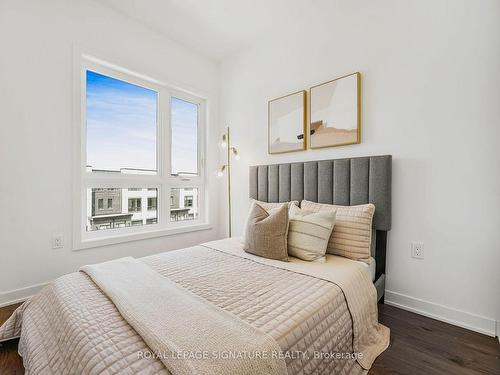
36 52
431 98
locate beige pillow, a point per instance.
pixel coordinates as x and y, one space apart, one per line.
308 233
266 232
270 206
351 237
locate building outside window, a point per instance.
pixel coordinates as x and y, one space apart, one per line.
184 204
118 214
109 217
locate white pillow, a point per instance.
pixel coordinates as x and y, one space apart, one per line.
308 233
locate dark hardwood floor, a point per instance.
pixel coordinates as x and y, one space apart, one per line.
10 362
419 345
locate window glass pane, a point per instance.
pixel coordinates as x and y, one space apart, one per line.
184 123
151 204
183 204
121 126
124 208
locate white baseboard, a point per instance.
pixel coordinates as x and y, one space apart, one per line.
19 295
477 323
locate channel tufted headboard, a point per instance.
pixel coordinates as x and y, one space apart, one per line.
346 182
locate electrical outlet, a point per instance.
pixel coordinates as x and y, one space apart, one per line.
57 241
417 250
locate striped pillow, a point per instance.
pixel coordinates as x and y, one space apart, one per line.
308 233
351 237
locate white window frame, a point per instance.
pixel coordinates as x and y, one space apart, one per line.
163 181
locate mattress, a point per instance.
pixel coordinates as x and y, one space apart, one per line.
370 266
72 327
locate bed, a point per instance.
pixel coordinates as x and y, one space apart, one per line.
317 315
348 182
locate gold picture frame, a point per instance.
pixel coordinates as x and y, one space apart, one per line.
286 122
334 120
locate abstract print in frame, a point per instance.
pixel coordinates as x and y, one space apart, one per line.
336 112
287 123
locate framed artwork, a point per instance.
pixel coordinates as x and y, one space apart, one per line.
336 112
287 123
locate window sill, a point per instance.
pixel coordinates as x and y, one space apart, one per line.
122 238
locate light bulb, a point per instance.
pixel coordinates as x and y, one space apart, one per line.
237 157
219 174
223 144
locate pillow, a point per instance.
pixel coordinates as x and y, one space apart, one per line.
269 206
351 237
308 233
265 233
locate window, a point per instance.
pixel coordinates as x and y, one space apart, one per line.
134 204
141 143
184 151
121 125
151 204
114 215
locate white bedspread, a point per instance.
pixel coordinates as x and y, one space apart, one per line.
370 338
188 334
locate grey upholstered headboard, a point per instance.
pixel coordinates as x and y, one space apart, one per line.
346 182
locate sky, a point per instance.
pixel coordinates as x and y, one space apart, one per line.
121 127
184 122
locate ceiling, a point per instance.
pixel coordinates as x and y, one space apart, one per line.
214 28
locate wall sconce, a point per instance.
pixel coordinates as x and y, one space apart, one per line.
225 143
